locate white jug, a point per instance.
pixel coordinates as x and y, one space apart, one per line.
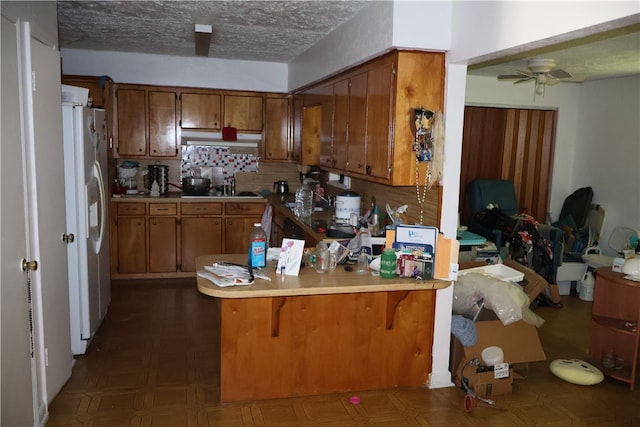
587 285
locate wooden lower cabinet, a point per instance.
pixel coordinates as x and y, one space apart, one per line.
131 244
199 236
236 234
614 339
155 239
163 245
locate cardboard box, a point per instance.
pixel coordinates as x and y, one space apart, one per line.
519 341
482 381
533 284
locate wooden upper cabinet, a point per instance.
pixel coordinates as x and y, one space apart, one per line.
243 112
276 141
163 139
380 79
340 123
201 111
419 83
357 127
367 123
131 123
325 93
311 131
99 88
145 122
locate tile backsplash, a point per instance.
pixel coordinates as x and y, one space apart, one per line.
199 156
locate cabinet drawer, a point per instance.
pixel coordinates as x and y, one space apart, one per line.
163 209
243 208
127 208
201 208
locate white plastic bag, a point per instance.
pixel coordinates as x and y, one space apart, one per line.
506 299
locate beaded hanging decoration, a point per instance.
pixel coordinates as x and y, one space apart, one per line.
427 148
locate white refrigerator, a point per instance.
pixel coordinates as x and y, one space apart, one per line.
85 160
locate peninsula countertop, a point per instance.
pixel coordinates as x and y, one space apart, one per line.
308 282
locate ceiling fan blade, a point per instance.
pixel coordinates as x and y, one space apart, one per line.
524 80
520 75
560 74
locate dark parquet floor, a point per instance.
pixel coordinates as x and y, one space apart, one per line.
151 365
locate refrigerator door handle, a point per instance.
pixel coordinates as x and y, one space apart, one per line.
103 204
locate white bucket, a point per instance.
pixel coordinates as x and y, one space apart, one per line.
587 286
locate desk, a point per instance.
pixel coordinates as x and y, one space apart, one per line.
320 333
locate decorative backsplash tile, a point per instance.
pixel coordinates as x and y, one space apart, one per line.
199 156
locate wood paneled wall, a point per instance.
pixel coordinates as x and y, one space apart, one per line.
510 143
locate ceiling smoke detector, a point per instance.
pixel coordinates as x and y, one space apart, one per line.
543 71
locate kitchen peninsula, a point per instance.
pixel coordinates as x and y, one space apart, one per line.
320 333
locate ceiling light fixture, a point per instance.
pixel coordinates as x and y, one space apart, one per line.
203 39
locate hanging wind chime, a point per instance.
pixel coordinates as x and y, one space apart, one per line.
428 147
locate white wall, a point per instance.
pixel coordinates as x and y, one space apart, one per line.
375 29
492 29
607 154
125 67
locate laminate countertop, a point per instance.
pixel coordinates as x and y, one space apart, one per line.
308 282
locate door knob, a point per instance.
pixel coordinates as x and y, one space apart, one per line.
29 265
68 238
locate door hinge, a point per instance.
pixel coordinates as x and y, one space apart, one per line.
29 265
33 81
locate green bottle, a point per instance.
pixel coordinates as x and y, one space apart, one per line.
388 263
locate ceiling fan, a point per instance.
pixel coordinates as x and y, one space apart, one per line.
542 70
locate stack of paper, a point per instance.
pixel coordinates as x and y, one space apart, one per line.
223 274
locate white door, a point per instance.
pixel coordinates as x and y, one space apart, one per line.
47 215
16 371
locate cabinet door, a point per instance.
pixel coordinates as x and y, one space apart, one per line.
131 240
276 129
163 140
200 111
340 124
243 113
295 123
357 119
98 88
326 128
236 234
199 236
163 248
379 100
311 134
131 124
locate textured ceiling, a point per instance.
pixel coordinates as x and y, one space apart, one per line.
279 31
275 31
607 54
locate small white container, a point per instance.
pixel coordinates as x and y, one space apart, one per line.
492 355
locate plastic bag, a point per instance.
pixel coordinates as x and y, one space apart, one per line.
506 299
